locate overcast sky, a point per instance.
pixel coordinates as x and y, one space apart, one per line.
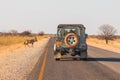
45 15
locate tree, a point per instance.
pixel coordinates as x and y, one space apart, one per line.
107 32
41 33
13 32
26 33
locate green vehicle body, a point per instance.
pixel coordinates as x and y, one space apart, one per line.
72 40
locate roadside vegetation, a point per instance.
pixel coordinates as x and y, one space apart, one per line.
106 38
107 32
13 37
97 41
11 40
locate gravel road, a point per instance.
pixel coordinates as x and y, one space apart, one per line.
18 64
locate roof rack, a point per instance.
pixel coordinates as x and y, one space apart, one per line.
75 25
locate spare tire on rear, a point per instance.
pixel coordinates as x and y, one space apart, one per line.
71 40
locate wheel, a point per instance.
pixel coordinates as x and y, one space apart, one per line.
71 40
57 56
74 58
83 55
57 59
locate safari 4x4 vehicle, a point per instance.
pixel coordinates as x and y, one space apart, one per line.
70 39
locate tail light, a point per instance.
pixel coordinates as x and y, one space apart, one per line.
58 43
83 46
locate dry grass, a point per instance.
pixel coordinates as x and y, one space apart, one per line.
11 43
114 45
12 40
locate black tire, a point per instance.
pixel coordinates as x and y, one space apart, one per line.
74 58
85 56
57 59
57 56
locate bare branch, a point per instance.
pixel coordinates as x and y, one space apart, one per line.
107 31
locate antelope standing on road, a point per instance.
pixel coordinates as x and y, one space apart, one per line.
30 41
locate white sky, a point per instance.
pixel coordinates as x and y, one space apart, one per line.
45 15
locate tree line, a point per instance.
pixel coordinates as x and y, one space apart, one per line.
106 32
24 33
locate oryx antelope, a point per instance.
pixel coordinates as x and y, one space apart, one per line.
30 41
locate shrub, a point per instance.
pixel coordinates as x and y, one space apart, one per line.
26 33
